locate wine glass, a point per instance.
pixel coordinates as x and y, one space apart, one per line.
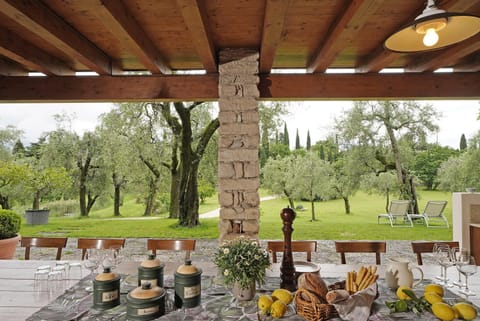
443 255
436 247
112 258
91 263
467 266
457 253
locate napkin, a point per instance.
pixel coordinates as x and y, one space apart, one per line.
357 306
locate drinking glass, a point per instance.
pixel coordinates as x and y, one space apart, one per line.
443 255
91 263
457 253
467 266
112 259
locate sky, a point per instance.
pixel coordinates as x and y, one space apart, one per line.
458 117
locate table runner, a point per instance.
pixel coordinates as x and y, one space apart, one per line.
217 304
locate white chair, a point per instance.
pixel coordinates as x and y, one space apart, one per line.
432 213
398 212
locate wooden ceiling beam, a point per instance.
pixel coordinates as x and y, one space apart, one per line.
468 64
445 56
370 86
10 68
123 25
195 18
20 51
273 22
272 87
344 30
41 21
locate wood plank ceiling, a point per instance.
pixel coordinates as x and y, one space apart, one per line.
141 49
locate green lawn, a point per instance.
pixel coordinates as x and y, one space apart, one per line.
331 223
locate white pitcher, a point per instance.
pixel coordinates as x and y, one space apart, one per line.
398 273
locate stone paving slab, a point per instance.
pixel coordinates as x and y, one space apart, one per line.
136 249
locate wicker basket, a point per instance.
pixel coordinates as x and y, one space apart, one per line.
312 308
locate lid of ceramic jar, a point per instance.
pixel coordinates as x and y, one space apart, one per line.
152 261
146 291
187 268
106 275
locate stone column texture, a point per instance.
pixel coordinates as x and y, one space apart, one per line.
238 164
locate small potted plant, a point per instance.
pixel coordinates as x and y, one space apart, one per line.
242 262
10 223
41 183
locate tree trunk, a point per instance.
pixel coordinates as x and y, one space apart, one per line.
84 168
4 202
312 204
36 201
174 209
406 185
189 198
152 196
290 199
116 200
346 202
91 201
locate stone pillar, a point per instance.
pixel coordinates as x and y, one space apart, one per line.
465 212
238 164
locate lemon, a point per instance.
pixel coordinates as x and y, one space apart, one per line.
402 295
264 303
283 295
443 311
432 297
465 311
278 309
437 288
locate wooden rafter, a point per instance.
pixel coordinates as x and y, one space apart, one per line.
116 17
195 18
20 51
38 19
10 68
347 28
272 87
275 13
451 54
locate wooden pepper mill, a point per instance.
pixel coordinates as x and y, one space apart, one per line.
287 269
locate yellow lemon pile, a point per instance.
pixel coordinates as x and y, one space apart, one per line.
433 294
275 304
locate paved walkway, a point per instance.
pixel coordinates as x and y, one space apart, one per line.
135 249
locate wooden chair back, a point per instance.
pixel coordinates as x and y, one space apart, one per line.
186 245
98 243
419 247
52 242
297 246
376 247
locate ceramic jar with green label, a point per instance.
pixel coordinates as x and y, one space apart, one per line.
151 271
188 286
145 302
106 290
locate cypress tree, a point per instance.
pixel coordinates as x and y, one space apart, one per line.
322 152
297 141
308 140
286 140
463 142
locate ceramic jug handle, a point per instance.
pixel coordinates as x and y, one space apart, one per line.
421 275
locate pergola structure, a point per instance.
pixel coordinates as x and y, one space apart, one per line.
141 50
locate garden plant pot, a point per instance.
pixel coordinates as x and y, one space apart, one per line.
37 217
8 247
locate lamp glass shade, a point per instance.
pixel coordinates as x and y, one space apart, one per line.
458 28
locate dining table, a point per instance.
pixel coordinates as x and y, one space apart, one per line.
26 296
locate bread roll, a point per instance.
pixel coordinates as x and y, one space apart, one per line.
313 283
335 296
